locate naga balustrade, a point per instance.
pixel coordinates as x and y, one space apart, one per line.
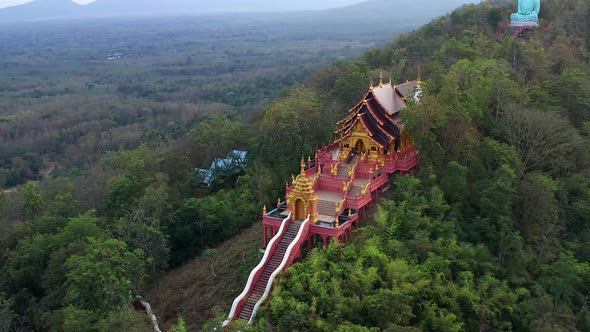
295 245
271 225
257 271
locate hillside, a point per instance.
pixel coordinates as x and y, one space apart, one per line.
492 233
192 290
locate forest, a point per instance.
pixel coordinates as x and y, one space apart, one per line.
72 91
490 234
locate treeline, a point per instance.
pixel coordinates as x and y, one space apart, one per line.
492 232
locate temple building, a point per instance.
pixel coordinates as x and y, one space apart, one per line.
333 190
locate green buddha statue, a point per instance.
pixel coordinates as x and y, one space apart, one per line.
528 11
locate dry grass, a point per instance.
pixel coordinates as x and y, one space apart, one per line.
192 290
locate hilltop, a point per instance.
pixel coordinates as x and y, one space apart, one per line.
490 234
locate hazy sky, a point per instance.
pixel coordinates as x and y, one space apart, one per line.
8 3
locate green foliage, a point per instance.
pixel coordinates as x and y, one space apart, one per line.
32 203
104 276
203 223
76 320
291 128
180 326
216 137
352 84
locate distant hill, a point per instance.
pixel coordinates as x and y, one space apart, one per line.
403 8
42 9
66 9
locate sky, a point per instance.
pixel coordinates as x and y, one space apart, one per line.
8 3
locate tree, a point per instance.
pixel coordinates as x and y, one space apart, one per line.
454 182
216 136
538 214
290 127
543 141
103 277
352 84
64 206
32 203
148 237
571 93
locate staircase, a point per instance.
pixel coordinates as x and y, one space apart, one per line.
343 172
271 266
355 192
326 208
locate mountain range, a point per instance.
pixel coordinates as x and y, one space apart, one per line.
67 9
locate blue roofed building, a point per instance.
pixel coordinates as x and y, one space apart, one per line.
222 169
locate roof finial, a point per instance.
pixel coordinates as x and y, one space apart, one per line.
371 84
302 165
381 78
390 80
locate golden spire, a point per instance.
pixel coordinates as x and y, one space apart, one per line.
371 84
349 212
302 166
381 78
319 169
390 80
279 202
264 211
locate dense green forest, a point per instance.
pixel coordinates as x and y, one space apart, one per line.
490 234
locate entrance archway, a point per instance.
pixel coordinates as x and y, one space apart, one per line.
299 210
360 146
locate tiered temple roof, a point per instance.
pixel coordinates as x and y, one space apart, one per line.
379 112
